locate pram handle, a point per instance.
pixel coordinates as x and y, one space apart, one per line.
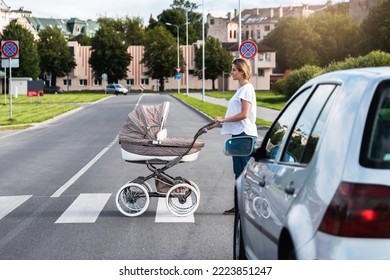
212 125
205 128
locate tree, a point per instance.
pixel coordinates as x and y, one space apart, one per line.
109 53
28 50
132 29
57 59
275 39
160 56
177 16
333 29
375 29
318 40
301 43
217 60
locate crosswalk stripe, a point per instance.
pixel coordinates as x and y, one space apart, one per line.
9 203
85 209
163 215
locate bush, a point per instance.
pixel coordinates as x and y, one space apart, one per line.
373 59
278 86
297 78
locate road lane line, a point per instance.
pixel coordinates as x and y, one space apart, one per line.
85 209
9 203
71 181
163 215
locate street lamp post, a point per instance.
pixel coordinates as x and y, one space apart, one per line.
203 54
178 53
187 74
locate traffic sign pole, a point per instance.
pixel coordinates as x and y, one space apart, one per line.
10 90
10 49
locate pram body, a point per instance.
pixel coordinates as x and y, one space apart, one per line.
144 140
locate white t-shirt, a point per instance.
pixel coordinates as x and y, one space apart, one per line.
248 125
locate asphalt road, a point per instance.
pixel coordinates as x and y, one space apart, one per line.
59 180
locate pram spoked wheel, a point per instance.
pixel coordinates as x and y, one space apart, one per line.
132 199
182 199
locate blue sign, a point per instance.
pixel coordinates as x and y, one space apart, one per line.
178 76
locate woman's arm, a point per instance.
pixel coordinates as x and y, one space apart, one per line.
245 108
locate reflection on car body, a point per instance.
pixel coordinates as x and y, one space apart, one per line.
319 185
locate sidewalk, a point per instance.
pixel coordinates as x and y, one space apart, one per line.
262 113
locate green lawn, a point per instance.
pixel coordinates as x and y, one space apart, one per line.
26 110
266 99
210 109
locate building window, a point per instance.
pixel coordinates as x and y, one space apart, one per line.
260 72
212 22
83 82
258 34
267 28
130 82
145 81
97 82
265 57
67 82
235 34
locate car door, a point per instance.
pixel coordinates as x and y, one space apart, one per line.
284 164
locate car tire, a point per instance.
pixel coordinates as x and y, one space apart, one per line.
238 242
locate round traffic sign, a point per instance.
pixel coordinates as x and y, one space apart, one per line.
9 49
248 49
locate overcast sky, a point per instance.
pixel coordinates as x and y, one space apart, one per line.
94 9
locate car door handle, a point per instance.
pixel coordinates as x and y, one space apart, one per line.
290 190
261 183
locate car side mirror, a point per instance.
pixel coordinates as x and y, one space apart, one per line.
239 146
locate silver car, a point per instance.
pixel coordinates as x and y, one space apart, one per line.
318 187
116 89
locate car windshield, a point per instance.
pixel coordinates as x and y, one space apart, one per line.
376 140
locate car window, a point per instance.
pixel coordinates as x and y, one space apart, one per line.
282 125
307 130
375 152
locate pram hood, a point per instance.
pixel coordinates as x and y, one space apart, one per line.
145 121
139 134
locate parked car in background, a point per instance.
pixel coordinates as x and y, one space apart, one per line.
53 89
318 187
116 89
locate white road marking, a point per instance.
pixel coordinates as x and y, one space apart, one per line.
71 181
163 215
9 203
85 209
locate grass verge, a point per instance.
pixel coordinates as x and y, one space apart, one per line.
265 99
26 110
212 110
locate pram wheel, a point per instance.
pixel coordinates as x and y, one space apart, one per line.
132 199
182 199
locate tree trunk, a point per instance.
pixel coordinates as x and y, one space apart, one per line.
162 85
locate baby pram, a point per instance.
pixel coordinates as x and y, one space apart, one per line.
143 139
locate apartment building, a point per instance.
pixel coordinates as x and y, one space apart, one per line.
258 22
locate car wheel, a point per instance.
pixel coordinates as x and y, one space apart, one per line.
238 242
286 247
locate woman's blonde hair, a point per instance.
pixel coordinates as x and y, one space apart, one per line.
243 66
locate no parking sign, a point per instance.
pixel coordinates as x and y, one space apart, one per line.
248 49
9 49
